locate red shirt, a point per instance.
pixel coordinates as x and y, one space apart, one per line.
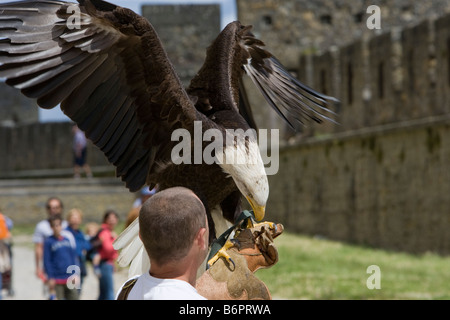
107 251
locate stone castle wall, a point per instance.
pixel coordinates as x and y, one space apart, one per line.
41 146
379 177
384 186
397 73
16 108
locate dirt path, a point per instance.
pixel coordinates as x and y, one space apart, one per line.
28 287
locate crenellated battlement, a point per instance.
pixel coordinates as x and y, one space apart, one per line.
397 73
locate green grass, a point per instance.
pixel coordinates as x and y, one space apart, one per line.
310 268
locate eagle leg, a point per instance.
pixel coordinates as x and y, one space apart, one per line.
222 253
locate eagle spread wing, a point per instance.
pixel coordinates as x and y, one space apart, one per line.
106 66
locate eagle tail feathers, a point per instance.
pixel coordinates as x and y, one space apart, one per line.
132 251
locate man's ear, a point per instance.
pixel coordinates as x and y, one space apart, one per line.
201 239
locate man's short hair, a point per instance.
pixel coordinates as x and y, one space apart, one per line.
169 222
47 204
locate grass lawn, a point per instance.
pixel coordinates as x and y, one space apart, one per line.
310 268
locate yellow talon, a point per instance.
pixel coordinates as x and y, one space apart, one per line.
222 253
252 224
272 225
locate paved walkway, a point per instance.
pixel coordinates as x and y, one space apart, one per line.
28 287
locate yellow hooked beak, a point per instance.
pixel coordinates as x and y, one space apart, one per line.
259 211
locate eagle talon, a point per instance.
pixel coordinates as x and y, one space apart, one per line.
252 224
232 262
272 225
222 253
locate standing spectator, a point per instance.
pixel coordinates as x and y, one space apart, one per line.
92 229
43 230
79 152
108 255
74 218
6 225
59 256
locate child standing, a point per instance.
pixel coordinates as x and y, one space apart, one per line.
59 262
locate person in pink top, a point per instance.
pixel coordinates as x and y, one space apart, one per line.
108 255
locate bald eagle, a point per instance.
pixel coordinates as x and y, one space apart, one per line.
107 69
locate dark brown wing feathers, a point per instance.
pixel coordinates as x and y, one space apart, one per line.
235 50
111 76
291 99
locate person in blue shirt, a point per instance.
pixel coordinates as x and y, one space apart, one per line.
60 263
75 218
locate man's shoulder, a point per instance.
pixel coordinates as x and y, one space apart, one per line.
42 224
42 231
146 287
45 224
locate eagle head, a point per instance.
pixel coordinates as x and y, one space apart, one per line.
242 160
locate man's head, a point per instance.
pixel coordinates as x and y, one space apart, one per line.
172 225
54 206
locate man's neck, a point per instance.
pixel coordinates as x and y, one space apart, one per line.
173 270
